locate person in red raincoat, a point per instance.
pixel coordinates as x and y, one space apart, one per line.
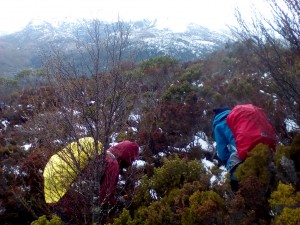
118 157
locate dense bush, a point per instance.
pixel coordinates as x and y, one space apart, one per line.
180 192
55 220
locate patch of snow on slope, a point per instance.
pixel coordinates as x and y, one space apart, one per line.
200 139
139 163
291 125
208 165
27 146
5 123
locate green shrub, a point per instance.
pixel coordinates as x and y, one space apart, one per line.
55 220
288 217
257 164
123 219
179 205
284 197
174 173
143 196
205 208
158 212
192 74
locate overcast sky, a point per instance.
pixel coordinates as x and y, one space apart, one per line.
176 14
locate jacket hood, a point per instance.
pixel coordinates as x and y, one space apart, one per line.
126 152
220 116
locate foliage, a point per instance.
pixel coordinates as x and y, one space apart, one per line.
153 65
179 93
253 197
30 72
174 193
55 220
256 179
257 164
124 219
205 207
284 197
7 87
174 173
285 204
288 216
287 160
186 117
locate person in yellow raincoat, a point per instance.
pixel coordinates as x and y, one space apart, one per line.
64 167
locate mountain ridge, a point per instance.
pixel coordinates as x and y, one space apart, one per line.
22 49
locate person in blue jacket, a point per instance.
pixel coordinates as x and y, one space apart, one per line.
226 147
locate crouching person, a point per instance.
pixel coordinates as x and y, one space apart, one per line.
226 147
237 132
70 176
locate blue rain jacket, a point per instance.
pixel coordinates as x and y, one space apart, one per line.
225 141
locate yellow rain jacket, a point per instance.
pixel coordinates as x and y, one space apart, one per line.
64 167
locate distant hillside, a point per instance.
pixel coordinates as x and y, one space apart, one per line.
22 49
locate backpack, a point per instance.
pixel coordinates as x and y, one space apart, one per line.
250 126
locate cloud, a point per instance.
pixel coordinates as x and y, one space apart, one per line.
177 13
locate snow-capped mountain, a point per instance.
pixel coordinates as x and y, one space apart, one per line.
194 43
22 49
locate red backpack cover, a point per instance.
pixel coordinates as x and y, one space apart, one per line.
250 126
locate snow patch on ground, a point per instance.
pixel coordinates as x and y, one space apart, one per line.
139 163
26 146
291 125
208 165
5 123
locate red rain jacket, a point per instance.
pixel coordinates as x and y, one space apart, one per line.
117 157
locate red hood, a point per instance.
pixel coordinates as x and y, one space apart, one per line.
125 151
